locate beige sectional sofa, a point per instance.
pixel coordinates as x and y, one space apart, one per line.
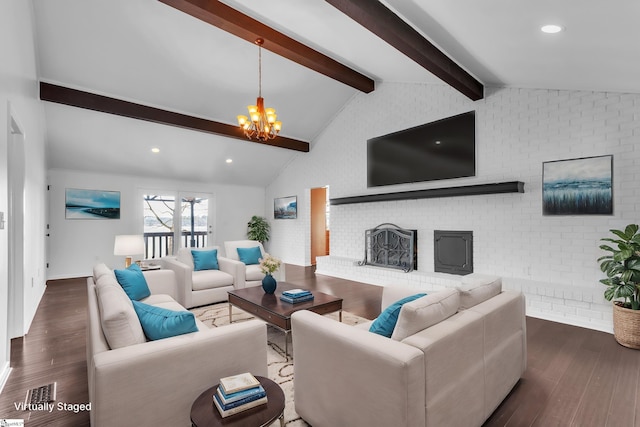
135 382
453 357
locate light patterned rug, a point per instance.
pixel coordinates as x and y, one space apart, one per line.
280 366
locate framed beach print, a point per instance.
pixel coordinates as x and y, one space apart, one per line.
91 204
578 186
285 207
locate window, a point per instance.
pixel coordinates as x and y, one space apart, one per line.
162 210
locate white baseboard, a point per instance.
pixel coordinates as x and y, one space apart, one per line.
4 375
68 276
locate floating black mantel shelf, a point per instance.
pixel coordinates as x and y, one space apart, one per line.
467 190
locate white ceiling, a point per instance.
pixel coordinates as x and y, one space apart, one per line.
147 52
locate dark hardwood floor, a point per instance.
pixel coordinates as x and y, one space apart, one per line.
575 376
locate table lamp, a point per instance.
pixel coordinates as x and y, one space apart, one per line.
128 245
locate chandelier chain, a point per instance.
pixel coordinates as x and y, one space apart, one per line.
259 71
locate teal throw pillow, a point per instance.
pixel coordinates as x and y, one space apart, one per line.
205 260
133 282
386 322
158 323
250 255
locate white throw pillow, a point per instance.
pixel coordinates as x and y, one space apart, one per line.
476 288
120 323
100 270
425 312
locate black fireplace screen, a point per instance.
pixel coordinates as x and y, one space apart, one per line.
390 246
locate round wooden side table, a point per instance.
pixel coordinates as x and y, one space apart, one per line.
205 414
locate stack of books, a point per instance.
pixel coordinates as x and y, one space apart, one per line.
296 295
238 393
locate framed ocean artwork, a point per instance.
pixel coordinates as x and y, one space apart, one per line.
91 204
578 186
285 207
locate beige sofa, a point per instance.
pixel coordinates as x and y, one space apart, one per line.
196 288
133 382
457 355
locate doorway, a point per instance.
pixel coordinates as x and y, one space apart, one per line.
320 234
15 227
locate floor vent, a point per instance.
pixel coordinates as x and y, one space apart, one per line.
42 394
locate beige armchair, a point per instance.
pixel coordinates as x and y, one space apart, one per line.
251 275
196 288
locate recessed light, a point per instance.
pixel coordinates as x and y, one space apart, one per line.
155 150
551 28
229 160
438 142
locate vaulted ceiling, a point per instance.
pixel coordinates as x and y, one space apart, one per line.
148 53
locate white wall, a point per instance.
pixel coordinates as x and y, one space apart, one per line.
552 258
18 94
76 245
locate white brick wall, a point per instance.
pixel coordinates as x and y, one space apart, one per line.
552 258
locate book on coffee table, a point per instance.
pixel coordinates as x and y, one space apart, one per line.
236 383
296 295
231 409
296 292
246 395
294 300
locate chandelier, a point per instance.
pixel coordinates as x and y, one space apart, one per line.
261 123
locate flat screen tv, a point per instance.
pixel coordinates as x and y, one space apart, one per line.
442 149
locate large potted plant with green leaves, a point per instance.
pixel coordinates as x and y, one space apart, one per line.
258 229
622 267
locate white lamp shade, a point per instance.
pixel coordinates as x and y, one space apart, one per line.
128 245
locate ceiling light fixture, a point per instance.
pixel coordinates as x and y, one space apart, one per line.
155 150
261 123
229 160
551 28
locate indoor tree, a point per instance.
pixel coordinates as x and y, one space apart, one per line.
258 229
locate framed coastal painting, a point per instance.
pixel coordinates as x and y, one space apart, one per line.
91 204
578 186
285 207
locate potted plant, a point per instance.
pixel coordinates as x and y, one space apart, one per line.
258 229
622 267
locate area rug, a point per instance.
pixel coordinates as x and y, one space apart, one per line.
280 365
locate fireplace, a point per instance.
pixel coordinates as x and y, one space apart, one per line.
453 252
390 246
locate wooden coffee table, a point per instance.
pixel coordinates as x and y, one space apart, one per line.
275 312
205 414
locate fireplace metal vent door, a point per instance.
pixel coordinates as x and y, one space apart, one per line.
453 252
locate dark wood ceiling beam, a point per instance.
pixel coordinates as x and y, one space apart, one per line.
228 19
381 21
104 104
